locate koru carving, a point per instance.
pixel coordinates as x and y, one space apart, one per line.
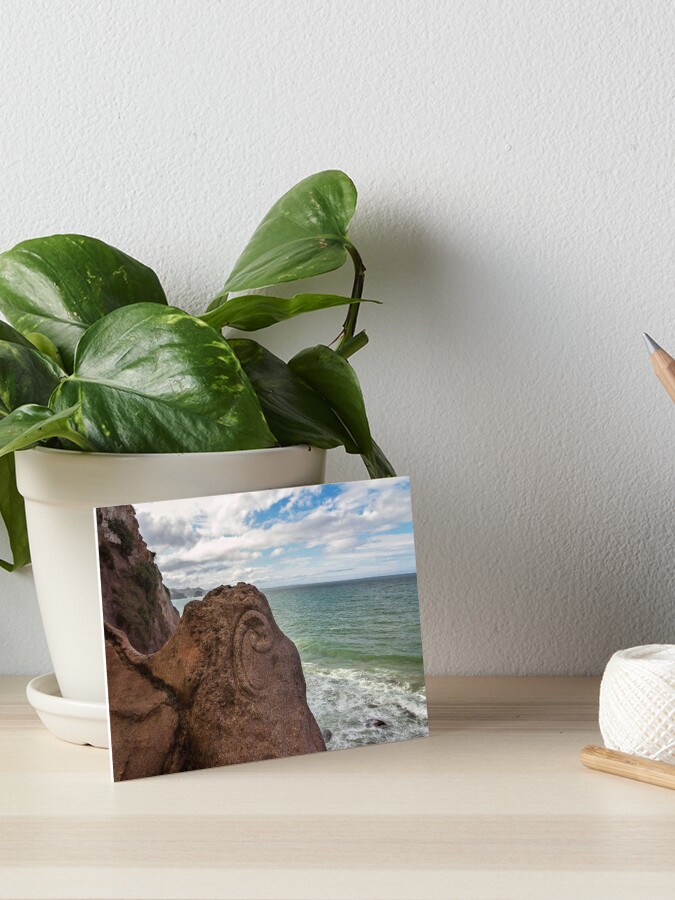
253 630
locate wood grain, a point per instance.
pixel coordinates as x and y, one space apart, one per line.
612 762
664 369
494 804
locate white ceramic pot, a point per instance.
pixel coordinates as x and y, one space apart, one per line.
62 488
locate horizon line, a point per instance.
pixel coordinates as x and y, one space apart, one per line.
304 583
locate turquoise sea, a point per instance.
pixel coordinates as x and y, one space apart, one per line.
361 651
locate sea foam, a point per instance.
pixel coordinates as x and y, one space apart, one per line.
352 705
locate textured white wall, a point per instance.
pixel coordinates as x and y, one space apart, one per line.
517 205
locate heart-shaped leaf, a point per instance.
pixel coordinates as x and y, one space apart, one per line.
304 234
26 375
294 412
59 285
331 376
250 312
153 379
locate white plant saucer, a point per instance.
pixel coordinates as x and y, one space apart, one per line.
76 721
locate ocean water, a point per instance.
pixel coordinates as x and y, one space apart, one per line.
361 651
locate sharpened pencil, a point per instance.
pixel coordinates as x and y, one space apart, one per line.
663 365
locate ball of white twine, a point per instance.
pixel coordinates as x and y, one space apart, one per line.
637 702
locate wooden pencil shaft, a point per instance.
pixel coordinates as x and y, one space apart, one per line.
664 369
648 771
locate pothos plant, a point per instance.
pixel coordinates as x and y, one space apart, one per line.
94 358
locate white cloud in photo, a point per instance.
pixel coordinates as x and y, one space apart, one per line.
301 535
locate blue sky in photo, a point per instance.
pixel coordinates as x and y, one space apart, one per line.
303 535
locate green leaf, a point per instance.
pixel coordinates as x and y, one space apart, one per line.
304 234
217 301
251 312
333 378
26 375
7 333
153 379
294 412
29 425
13 513
377 463
42 343
59 285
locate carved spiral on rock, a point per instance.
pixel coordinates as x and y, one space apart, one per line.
255 630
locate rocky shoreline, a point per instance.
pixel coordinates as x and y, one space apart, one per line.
225 685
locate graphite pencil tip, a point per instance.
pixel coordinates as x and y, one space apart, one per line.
652 346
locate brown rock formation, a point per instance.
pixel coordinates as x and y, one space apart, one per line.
134 597
227 687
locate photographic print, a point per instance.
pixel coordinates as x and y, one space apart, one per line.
259 625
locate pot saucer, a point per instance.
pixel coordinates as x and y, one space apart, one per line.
76 721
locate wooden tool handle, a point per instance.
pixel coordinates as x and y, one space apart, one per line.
664 368
636 767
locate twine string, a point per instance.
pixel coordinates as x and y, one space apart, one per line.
637 702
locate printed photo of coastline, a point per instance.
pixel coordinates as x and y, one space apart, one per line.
259 625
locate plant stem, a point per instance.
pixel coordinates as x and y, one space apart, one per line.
357 292
346 348
79 440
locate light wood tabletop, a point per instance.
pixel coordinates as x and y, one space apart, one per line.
495 804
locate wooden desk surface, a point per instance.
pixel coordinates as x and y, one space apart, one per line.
495 804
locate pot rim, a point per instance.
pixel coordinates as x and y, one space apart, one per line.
89 454
79 479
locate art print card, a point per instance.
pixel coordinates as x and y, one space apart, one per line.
258 625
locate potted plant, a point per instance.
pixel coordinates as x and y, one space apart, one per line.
108 395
